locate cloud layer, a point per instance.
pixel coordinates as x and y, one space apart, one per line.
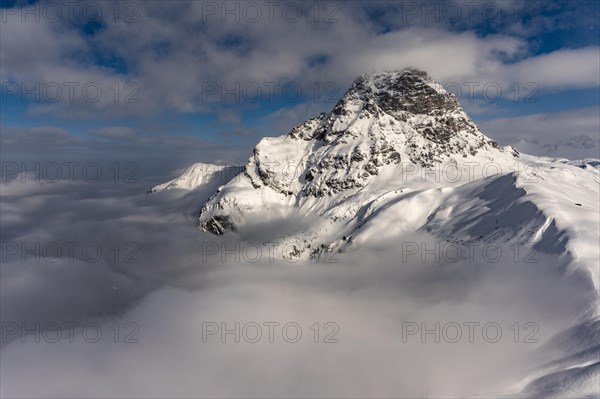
163 294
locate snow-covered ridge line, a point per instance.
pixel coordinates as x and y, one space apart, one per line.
199 174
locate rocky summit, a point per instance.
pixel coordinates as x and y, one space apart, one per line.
384 122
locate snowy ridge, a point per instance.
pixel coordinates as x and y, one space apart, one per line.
199 174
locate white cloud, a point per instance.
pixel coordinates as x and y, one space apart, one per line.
559 69
169 61
556 134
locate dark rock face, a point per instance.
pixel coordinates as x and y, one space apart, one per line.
408 92
219 224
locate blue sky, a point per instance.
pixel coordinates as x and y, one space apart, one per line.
193 70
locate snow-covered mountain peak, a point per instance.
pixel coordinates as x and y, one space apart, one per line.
397 162
398 154
356 152
405 116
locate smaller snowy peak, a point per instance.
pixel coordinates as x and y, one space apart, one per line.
200 174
